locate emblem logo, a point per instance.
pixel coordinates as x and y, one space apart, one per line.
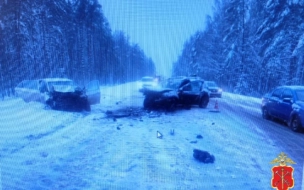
282 175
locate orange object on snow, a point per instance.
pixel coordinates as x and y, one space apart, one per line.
216 107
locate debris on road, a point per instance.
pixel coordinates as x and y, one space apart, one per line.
172 132
199 136
124 112
203 156
159 135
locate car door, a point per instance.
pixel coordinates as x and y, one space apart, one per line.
193 91
274 101
28 91
93 92
285 105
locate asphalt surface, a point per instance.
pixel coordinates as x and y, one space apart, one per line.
274 131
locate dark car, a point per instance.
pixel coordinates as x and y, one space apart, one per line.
59 93
213 88
185 91
285 103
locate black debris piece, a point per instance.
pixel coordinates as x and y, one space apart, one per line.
203 156
172 131
108 112
193 142
199 136
125 112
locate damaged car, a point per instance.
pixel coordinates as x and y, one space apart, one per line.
186 91
60 93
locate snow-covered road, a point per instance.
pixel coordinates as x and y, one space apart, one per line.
46 149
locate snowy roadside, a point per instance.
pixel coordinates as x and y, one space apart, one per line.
46 149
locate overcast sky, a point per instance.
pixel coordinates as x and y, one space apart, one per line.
159 27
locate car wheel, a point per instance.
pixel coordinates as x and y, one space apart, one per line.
265 114
51 103
171 106
296 124
148 102
87 106
204 101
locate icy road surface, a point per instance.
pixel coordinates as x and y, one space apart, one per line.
47 149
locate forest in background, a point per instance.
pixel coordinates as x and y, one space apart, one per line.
64 38
248 46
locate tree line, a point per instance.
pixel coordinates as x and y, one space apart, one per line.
248 46
64 38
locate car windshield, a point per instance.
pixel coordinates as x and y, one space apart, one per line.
61 83
211 84
147 79
62 86
196 86
173 83
300 95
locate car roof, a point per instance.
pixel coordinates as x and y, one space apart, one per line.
293 87
56 79
147 77
180 78
209 81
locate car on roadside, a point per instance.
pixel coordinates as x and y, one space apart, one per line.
184 91
213 88
147 81
285 103
59 93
